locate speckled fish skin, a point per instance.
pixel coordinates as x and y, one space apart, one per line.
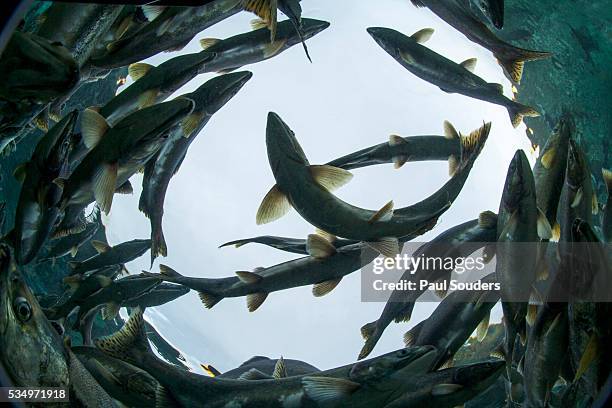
517 247
187 388
456 242
119 254
124 382
415 148
466 382
184 23
549 179
37 206
266 365
329 213
255 46
208 98
461 18
78 27
163 80
455 319
448 75
129 144
30 348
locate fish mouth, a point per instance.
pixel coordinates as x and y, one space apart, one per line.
517 185
311 27
475 374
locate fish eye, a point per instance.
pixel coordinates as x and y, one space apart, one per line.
22 308
402 352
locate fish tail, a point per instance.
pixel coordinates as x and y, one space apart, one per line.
158 242
514 62
130 342
518 111
472 144
143 204
371 334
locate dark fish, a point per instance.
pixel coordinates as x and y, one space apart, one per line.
493 10
330 386
293 245
400 150
449 76
160 295
606 222
267 367
511 58
40 191
108 256
457 242
255 46
307 189
119 152
208 99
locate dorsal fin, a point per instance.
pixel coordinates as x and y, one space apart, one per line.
469 64
206 43
139 69
100 246
423 35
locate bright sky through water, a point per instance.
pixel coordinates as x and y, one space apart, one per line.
354 95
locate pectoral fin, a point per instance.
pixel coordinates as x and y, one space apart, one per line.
329 177
100 246
138 70
423 35
388 246
93 127
323 288
469 64
326 390
319 247
274 205
384 214
104 186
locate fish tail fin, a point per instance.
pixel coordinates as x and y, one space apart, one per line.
158 242
130 343
371 335
143 205
472 144
513 64
209 299
517 112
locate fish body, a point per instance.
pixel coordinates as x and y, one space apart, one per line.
37 206
69 244
208 99
455 319
153 84
108 256
438 70
457 242
517 247
121 152
297 187
267 366
510 58
400 150
493 10
187 388
172 29
293 245
606 221
160 295
124 382
255 46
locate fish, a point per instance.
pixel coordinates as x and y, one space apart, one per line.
400 150
323 273
111 297
457 242
31 350
186 389
120 151
153 84
70 244
512 59
45 72
520 226
493 10
549 170
307 189
160 295
80 288
208 99
438 70
265 368
110 255
293 245
124 382
606 222
293 10
577 198
170 28
78 27
450 387
454 320
37 210
255 46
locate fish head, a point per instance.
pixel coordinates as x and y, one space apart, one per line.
311 27
396 44
519 182
477 376
308 28
283 147
412 359
31 349
52 150
577 169
215 93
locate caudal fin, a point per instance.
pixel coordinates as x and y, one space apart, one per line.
517 112
129 343
158 242
513 65
371 335
472 144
